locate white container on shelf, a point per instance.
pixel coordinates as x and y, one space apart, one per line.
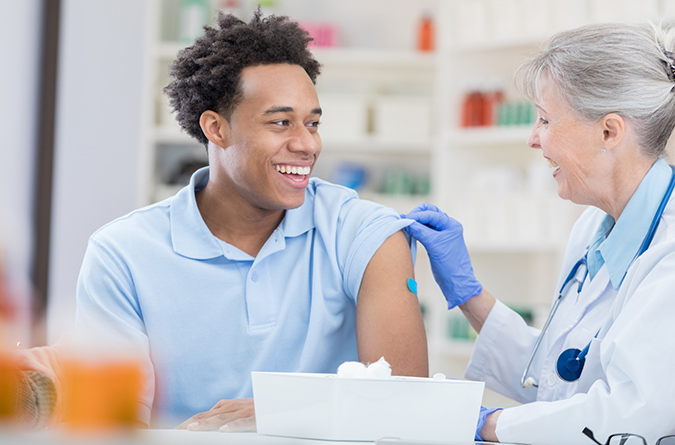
328 407
345 117
400 118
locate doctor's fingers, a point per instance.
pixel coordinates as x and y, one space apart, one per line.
425 206
422 233
434 219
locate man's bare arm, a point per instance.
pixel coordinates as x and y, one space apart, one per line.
388 317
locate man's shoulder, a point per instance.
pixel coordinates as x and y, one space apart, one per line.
151 219
338 196
332 203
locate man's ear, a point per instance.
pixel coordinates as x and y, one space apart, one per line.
613 130
215 128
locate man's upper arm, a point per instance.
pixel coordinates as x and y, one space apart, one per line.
388 317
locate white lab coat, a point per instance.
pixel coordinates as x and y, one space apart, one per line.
627 384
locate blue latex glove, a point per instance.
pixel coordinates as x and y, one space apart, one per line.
450 262
484 412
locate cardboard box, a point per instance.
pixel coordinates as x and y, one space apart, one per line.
325 406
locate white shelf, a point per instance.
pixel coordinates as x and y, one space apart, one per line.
376 145
506 135
361 57
497 45
400 203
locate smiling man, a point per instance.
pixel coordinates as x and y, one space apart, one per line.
254 266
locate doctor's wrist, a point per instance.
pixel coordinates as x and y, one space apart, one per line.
488 432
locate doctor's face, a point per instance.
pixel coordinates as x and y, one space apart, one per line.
273 140
569 144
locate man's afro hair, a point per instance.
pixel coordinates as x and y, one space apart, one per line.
207 74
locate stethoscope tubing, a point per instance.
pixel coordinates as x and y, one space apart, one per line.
536 345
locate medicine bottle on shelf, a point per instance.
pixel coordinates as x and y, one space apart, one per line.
473 106
493 97
425 33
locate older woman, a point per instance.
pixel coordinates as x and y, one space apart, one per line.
604 362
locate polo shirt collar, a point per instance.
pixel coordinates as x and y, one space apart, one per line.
192 238
189 233
299 220
623 242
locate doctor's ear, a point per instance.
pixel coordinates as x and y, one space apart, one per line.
613 129
216 128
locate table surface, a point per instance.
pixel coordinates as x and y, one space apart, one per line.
175 437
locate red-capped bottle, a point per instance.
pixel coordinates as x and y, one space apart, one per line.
425 34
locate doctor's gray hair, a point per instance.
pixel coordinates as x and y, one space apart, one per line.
612 68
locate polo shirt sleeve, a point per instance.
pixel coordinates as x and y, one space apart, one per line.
362 228
107 307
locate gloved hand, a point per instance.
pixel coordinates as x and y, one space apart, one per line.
484 412
450 262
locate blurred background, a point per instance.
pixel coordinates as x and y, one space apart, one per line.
419 105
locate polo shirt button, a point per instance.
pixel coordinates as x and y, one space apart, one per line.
254 277
552 379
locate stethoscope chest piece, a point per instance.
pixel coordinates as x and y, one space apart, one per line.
570 364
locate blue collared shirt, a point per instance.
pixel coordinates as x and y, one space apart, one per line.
208 314
617 249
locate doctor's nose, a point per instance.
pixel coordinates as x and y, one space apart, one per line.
533 139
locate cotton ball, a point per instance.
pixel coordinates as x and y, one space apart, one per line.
351 369
379 370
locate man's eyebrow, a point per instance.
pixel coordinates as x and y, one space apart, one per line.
274 110
283 109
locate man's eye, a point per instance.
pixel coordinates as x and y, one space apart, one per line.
281 122
314 124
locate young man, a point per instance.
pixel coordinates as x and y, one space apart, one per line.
254 266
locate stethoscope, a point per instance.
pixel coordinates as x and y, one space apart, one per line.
571 361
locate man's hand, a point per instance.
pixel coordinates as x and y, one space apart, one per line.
226 415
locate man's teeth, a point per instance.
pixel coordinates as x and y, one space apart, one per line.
292 169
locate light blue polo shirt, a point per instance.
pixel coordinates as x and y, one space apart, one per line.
616 244
208 314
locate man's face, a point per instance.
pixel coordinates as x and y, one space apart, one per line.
273 138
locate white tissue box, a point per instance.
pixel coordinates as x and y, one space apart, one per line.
325 406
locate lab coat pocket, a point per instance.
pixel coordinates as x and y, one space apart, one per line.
593 368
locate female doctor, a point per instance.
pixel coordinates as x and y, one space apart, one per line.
605 96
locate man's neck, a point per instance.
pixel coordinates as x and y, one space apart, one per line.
235 221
